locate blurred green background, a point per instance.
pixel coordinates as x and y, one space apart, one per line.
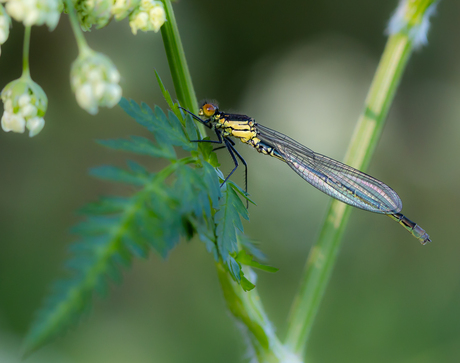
303 69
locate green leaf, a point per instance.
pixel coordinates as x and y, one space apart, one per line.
130 107
70 298
245 259
165 93
116 174
208 238
250 246
191 130
106 205
240 192
211 180
94 225
246 284
179 201
140 145
227 219
234 268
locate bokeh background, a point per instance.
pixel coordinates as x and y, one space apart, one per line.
303 69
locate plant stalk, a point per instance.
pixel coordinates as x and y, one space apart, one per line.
367 133
25 53
178 64
245 306
78 33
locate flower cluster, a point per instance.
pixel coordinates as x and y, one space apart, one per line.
25 105
35 12
144 15
93 12
5 23
94 79
122 8
149 15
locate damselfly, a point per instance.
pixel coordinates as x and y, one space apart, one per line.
332 177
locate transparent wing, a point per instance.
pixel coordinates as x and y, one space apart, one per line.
332 177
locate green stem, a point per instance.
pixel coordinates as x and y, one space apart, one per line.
81 41
366 136
25 53
245 306
178 64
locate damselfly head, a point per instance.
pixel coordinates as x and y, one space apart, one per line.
208 110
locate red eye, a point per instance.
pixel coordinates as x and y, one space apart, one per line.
208 109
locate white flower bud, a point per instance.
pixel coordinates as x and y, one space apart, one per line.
29 111
35 12
93 12
85 98
113 95
12 122
122 8
99 89
94 80
24 100
8 105
157 18
5 23
35 125
114 76
24 104
149 15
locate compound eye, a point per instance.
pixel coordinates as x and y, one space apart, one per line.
208 109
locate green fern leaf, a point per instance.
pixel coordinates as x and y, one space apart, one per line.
140 145
245 259
106 205
180 201
116 174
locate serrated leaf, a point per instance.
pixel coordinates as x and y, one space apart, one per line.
234 269
246 284
169 205
94 225
192 131
239 208
212 182
188 188
208 154
116 174
136 243
130 107
125 104
240 191
208 238
226 219
165 93
250 246
71 298
106 205
140 145
245 259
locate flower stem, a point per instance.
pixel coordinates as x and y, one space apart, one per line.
80 38
25 53
367 133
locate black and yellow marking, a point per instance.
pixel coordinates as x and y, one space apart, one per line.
354 187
